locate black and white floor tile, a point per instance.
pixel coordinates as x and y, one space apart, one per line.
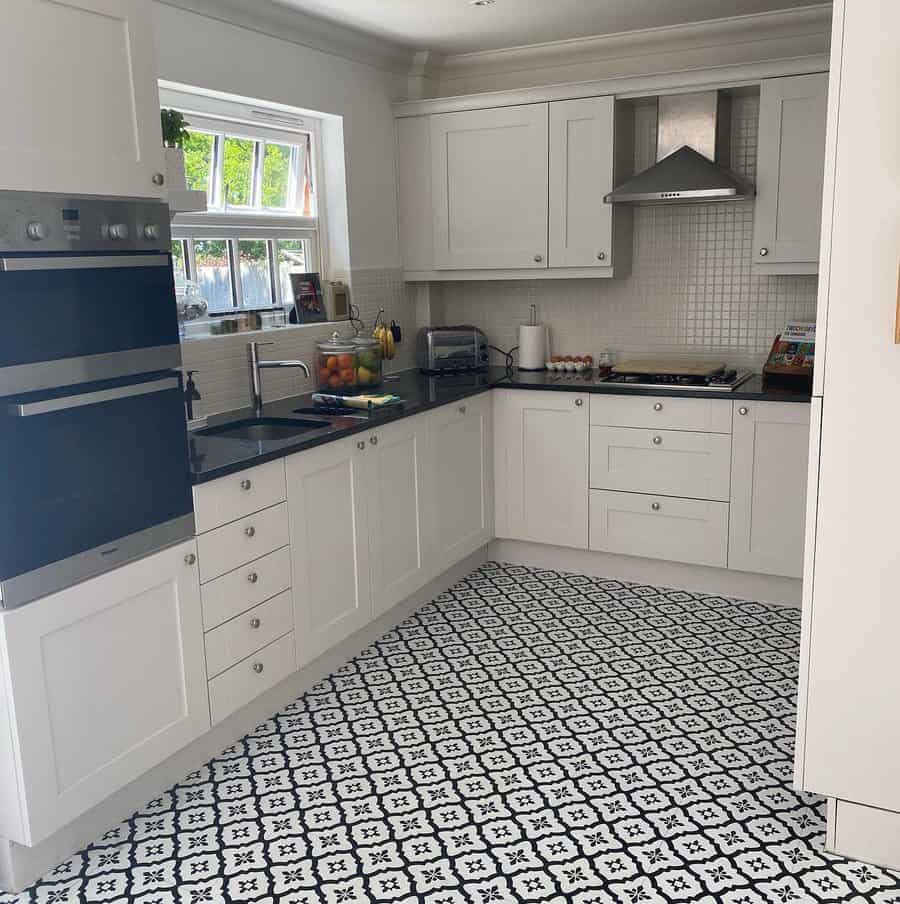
527 737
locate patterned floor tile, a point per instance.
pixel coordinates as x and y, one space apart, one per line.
528 736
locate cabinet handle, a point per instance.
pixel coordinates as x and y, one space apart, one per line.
250 531
253 577
658 406
255 623
743 410
246 484
579 403
258 668
763 252
361 446
538 258
462 409
601 255
657 440
655 506
374 440
158 179
190 559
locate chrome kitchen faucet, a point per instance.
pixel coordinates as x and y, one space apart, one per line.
255 376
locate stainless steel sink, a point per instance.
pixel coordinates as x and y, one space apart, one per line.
264 429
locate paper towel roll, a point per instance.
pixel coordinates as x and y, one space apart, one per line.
532 347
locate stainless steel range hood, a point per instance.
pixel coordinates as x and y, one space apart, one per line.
693 151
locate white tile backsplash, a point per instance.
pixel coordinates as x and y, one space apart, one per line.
691 292
221 361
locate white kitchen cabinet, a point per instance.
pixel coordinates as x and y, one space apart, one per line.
583 152
770 455
327 498
103 681
398 480
461 468
489 188
84 116
542 467
790 174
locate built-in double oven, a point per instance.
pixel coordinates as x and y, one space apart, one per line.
94 465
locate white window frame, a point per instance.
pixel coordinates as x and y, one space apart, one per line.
253 121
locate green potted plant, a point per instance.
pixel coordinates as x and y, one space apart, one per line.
174 133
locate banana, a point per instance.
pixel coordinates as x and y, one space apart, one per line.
391 345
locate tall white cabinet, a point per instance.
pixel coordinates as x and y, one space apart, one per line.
848 723
82 116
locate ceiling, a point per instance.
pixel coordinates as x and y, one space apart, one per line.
456 26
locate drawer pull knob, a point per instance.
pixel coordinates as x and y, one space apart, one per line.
657 406
538 258
250 531
258 668
253 577
601 255
462 409
361 445
579 403
158 179
743 410
763 252
374 440
655 506
657 440
255 623
190 559
246 484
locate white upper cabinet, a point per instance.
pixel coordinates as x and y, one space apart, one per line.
104 681
83 117
581 173
769 459
489 188
541 464
790 174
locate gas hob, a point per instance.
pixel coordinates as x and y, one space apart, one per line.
721 380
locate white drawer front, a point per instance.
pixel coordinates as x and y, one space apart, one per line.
251 677
229 498
245 587
238 638
242 541
660 527
670 462
662 412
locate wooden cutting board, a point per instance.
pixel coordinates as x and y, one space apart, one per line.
680 367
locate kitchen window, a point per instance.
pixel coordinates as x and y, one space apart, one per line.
262 220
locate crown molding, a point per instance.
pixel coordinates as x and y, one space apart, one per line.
779 25
274 20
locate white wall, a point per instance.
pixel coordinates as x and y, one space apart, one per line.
203 52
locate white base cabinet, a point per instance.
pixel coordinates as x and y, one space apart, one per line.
770 455
86 104
102 681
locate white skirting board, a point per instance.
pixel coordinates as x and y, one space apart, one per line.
20 866
720 581
863 833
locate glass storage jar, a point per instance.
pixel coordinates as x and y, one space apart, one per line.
368 362
336 364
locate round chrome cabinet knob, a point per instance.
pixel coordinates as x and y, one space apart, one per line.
658 406
462 409
190 559
763 252
258 668
361 445
36 231
118 232
657 440
743 411
538 258
374 440
158 179
255 623
246 484
152 232
253 577
250 531
601 255
579 403
655 506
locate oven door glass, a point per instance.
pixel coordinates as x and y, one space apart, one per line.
83 467
111 308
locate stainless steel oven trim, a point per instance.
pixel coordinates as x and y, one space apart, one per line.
96 262
33 585
79 400
68 371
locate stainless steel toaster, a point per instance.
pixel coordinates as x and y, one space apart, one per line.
451 349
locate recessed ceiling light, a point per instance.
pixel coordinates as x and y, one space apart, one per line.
482 2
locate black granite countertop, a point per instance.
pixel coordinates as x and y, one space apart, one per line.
216 456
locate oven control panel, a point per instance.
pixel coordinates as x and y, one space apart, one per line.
40 223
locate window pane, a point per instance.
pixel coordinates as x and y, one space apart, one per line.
291 258
255 273
178 261
213 273
237 169
276 175
198 155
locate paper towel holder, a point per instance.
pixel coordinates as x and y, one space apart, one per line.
532 343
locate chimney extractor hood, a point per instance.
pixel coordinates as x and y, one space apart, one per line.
693 149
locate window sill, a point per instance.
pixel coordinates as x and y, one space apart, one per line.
326 326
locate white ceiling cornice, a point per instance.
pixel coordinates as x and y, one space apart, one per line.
780 24
292 25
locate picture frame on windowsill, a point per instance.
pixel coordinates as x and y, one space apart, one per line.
309 303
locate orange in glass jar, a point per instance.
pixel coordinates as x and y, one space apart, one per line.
332 364
348 376
345 362
324 374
